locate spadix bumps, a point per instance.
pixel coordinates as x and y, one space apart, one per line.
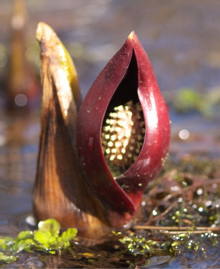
122 136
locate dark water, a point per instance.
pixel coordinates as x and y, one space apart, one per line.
182 39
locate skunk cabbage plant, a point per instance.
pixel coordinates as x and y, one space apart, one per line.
96 157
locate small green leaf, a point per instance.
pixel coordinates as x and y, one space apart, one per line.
7 238
25 244
42 238
69 234
6 259
53 242
3 245
65 244
24 235
49 225
52 252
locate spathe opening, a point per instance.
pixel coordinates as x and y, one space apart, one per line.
123 125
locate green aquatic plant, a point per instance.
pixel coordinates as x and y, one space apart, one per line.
46 239
7 258
167 242
138 244
186 100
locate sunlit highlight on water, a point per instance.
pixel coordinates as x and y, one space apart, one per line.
184 134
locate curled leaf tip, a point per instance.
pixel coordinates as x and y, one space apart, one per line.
39 31
53 47
43 31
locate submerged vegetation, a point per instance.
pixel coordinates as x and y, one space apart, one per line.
186 100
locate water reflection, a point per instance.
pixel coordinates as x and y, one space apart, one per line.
18 156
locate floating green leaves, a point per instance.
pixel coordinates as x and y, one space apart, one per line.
186 100
7 258
167 243
45 239
138 244
49 225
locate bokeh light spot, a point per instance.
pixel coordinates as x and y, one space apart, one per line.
21 100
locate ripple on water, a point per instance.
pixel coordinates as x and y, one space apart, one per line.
158 261
33 262
20 222
205 257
